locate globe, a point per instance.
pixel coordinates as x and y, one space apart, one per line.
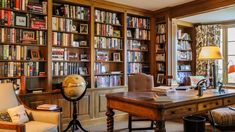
74 86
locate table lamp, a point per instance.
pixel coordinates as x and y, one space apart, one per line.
211 53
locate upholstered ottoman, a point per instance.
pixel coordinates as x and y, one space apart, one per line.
224 116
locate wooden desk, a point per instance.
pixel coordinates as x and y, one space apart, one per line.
184 103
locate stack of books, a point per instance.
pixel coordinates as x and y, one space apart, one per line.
47 107
163 89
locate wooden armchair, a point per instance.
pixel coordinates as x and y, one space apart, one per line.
39 121
139 82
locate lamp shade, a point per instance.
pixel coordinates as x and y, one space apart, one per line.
231 69
210 53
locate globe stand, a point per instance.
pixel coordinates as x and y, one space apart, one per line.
74 123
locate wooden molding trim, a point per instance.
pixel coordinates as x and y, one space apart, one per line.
199 6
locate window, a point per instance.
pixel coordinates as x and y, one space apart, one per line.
230 54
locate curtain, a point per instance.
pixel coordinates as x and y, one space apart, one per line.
206 35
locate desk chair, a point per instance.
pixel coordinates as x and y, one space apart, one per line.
39 121
137 83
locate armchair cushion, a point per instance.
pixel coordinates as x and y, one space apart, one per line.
36 126
224 116
18 114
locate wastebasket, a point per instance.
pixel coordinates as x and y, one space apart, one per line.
194 124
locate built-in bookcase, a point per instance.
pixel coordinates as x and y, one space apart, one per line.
23 43
109 48
161 50
138 44
70 42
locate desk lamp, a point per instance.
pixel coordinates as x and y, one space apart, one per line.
211 53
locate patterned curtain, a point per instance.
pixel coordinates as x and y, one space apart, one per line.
206 35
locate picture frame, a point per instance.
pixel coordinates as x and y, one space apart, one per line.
28 36
84 28
20 20
116 33
129 35
83 57
83 44
116 57
83 71
160 78
35 55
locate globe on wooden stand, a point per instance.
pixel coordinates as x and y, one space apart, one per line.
73 89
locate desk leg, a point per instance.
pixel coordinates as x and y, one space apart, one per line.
160 126
109 115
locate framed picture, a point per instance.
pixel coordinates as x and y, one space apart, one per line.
20 20
84 28
116 33
82 70
116 57
129 35
83 44
35 55
28 36
160 78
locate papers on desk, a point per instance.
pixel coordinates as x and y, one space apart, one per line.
47 107
162 98
163 89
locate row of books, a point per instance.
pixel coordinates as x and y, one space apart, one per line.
101 68
39 8
106 17
184 67
108 81
67 39
12 35
134 68
11 18
136 22
183 36
23 5
64 54
183 45
136 45
135 57
185 55
161 39
161 28
108 43
14 52
67 68
71 11
12 69
139 34
106 30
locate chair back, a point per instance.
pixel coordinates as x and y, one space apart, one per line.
8 98
140 82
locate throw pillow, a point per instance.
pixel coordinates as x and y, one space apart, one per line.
195 79
4 116
18 114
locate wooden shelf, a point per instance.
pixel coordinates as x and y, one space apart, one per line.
25 28
100 61
23 60
70 47
141 28
23 11
23 44
109 49
75 33
137 39
137 50
108 36
62 76
18 77
71 61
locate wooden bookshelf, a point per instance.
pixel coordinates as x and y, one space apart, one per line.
109 45
161 50
70 41
138 44
185 51
23 43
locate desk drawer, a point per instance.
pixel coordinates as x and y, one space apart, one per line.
188 109
209 105
229 101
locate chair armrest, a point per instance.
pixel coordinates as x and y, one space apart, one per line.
45 116
12 126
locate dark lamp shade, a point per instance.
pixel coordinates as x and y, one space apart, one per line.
210 53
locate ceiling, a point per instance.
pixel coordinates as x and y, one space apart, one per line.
213 17
151 4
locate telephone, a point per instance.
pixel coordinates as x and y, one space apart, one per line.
220 85
201 85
